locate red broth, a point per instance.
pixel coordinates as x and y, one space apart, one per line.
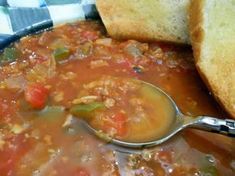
43 76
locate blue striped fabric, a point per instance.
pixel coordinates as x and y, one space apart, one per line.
22 17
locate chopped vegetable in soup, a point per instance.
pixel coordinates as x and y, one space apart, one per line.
51 82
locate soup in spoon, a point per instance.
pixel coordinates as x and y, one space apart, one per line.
125 109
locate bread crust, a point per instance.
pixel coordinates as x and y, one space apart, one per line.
195 27
197 34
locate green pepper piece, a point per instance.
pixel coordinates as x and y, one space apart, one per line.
85 110
61 53
9 55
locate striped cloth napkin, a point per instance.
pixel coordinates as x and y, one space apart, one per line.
21 17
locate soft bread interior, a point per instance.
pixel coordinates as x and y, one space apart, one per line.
146 19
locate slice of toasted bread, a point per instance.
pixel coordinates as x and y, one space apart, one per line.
151 20
212 31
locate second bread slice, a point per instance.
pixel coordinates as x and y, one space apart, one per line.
212 29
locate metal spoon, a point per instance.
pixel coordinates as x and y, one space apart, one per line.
181 121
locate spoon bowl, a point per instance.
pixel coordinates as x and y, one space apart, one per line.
180 122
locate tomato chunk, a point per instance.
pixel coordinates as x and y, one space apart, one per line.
36 95
118 122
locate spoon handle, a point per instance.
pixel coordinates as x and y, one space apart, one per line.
222 126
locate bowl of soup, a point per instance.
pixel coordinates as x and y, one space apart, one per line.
51 81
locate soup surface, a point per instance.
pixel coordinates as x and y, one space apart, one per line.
50 81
